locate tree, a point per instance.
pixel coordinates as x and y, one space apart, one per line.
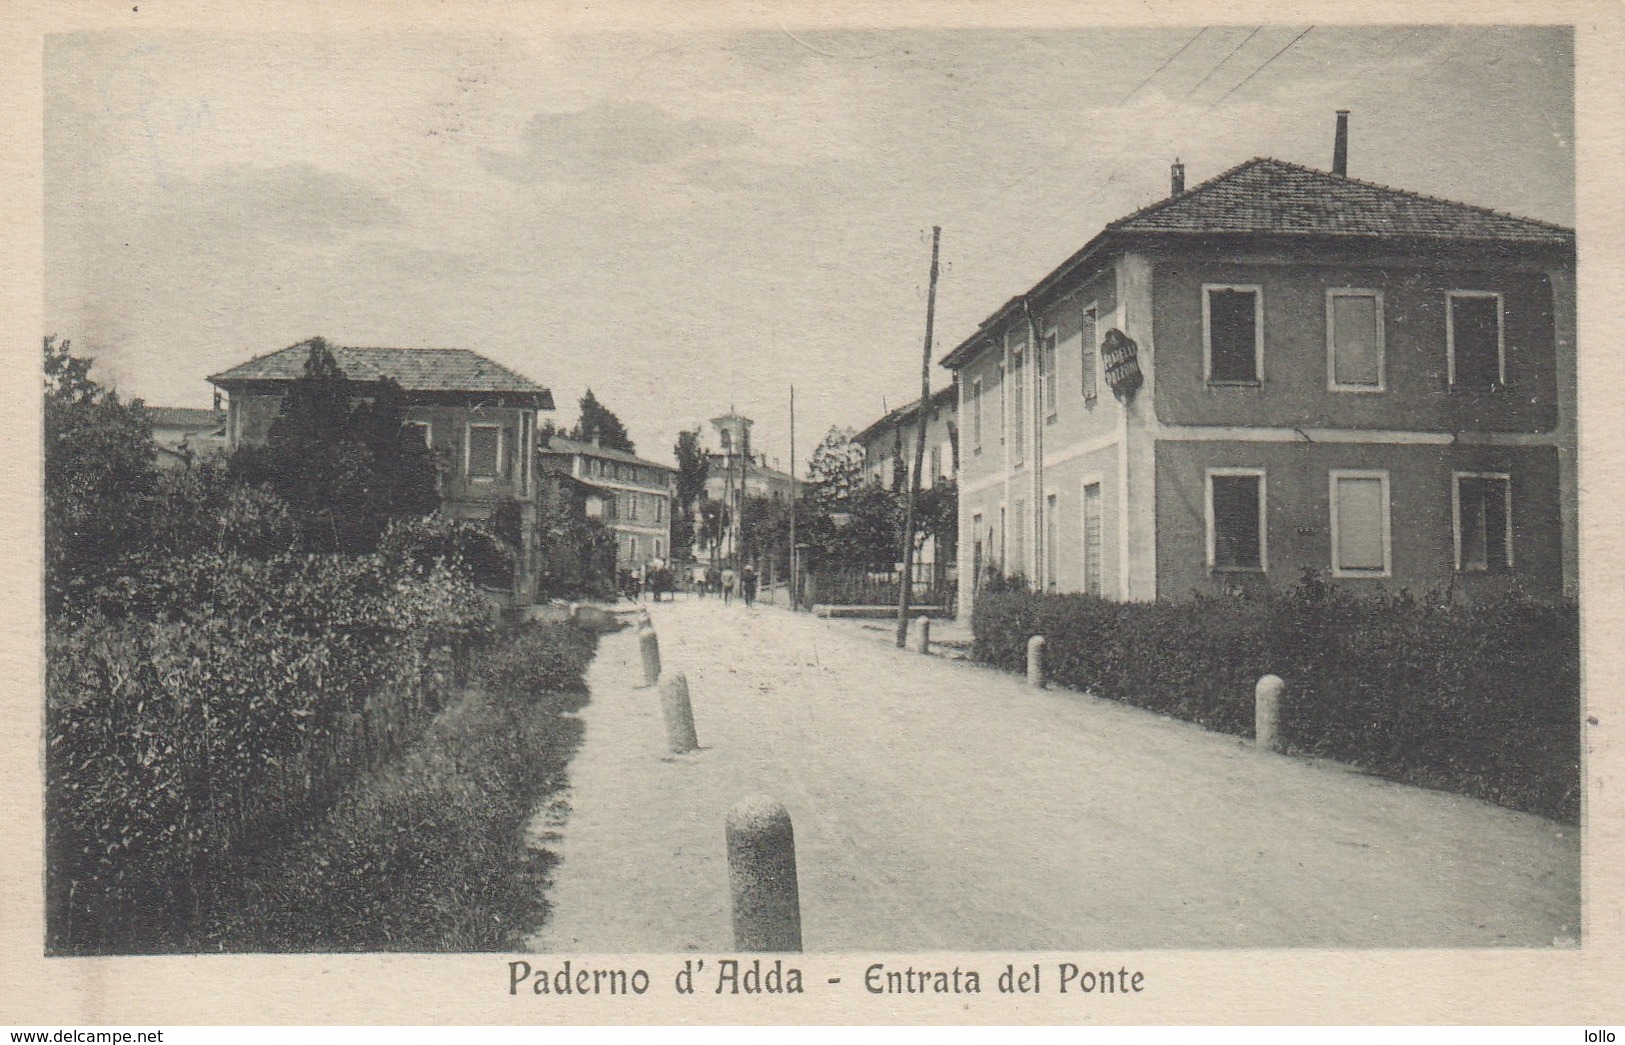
693 468
597 420
100 476
835 470
338 455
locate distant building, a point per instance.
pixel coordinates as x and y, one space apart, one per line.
185 435
479 418
1280 369
735 472
891 439
633 496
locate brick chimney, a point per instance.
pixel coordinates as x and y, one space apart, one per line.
1176 177
1340 149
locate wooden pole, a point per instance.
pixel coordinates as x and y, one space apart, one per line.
795 572
905 589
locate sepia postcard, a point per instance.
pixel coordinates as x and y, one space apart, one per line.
792 514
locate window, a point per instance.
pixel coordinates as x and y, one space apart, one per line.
1046 372
936 463
1354 341
413 432
1018 411
1360 539
484 451
1476 344
632 500
1018 539
660 509
1236 532
1482 506
1089 355
1091 538
657 547
976 549
976 414
1051 578
632 548
1233 333
1001 391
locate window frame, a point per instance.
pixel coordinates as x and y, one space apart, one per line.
976 414
1450 297
1016 348
1048 390
1263 519
468 452
1089 354
1257 290
1381 474
1455 517
1332 384
428 430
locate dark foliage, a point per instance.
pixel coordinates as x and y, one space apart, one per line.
597 420
1478 698
336 453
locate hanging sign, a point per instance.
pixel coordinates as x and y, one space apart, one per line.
1122 358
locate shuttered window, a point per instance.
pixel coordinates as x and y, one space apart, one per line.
1473 329
1483 503
484 451
1232 333
1360 538
1355 341
1089 355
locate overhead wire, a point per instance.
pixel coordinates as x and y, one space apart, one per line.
1165 64
1261 68
1223 60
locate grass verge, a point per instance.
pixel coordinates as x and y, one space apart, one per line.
428 853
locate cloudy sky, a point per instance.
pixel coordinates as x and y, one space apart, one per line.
685 221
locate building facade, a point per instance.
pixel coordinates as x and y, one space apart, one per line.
186 435
477 416
1280 370
888 456
631 495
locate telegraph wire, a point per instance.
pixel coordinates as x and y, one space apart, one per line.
1166 63
1260 69
1226 58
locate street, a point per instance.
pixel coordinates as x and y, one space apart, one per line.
941 805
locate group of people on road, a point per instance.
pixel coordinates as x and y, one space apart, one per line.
709 579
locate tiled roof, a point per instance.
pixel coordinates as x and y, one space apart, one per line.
1268 197
1277 198
414 369
562 445
185 417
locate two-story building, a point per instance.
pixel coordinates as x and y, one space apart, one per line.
1280 369
632 496
891 439
479 418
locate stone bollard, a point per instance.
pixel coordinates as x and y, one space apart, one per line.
1267 712
762 885
1035 661
922 635
649 648
679 715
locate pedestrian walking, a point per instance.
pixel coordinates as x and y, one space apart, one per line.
747 581
713 579
696 577
727 585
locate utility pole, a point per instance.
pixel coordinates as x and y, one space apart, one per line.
793 561
905 589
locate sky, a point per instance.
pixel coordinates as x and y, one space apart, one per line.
686 222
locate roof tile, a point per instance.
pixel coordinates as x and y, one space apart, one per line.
414 369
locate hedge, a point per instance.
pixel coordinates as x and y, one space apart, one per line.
1482 699
200 704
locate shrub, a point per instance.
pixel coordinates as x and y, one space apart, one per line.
199 704
1482 698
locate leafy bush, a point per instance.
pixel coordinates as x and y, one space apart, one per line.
201 703
1478 698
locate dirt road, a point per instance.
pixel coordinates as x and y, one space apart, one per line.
941 805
